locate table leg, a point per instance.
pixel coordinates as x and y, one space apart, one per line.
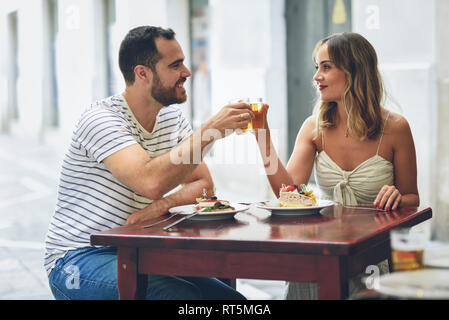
390 259
131 284
332 278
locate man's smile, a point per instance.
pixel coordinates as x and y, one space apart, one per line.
180 83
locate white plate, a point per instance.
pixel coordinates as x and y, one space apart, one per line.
275 209
442 262
437 257
418 284
190 208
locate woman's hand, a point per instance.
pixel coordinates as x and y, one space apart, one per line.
388 198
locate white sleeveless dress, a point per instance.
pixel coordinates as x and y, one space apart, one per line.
357 187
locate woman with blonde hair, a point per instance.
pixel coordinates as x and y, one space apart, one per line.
363 154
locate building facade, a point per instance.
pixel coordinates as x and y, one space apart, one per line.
58 56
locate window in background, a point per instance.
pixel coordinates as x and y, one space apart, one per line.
13 66
109 22
51 116
199 35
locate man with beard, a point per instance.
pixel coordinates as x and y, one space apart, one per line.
119 167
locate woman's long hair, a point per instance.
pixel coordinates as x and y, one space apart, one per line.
364 92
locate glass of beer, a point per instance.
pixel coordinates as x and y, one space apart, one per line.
407 249
257 108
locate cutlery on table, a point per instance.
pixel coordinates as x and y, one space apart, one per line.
250 203
162 221
167 228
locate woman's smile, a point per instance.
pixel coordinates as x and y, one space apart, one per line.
322 87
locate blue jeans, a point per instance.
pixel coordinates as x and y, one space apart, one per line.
91 274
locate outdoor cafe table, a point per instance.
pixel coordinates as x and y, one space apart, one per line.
327 248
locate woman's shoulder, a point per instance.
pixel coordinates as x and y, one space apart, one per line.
309 126
396 123
310 121
307 132
398 130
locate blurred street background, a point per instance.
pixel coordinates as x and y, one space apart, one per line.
28 181
59 56
28 185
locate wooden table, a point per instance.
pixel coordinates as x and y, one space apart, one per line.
327 248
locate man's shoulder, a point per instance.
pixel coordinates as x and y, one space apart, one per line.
101 113
115 103
113 106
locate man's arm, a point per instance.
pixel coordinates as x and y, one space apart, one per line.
150 177
155 177
193 188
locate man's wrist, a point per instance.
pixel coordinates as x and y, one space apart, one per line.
209 134
164 204
207 125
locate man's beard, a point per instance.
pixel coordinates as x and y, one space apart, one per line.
163 95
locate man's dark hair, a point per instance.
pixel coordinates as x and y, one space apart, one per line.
139 48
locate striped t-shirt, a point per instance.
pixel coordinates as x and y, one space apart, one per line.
90 198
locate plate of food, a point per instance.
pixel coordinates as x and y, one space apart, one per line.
294 200
212 209
417 284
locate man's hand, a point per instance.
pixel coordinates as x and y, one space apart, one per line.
156 209
232 116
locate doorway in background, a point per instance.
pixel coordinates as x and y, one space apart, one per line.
307 22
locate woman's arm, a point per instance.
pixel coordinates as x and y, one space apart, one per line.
405 190
300 165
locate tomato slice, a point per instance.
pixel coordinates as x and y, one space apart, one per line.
287 188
